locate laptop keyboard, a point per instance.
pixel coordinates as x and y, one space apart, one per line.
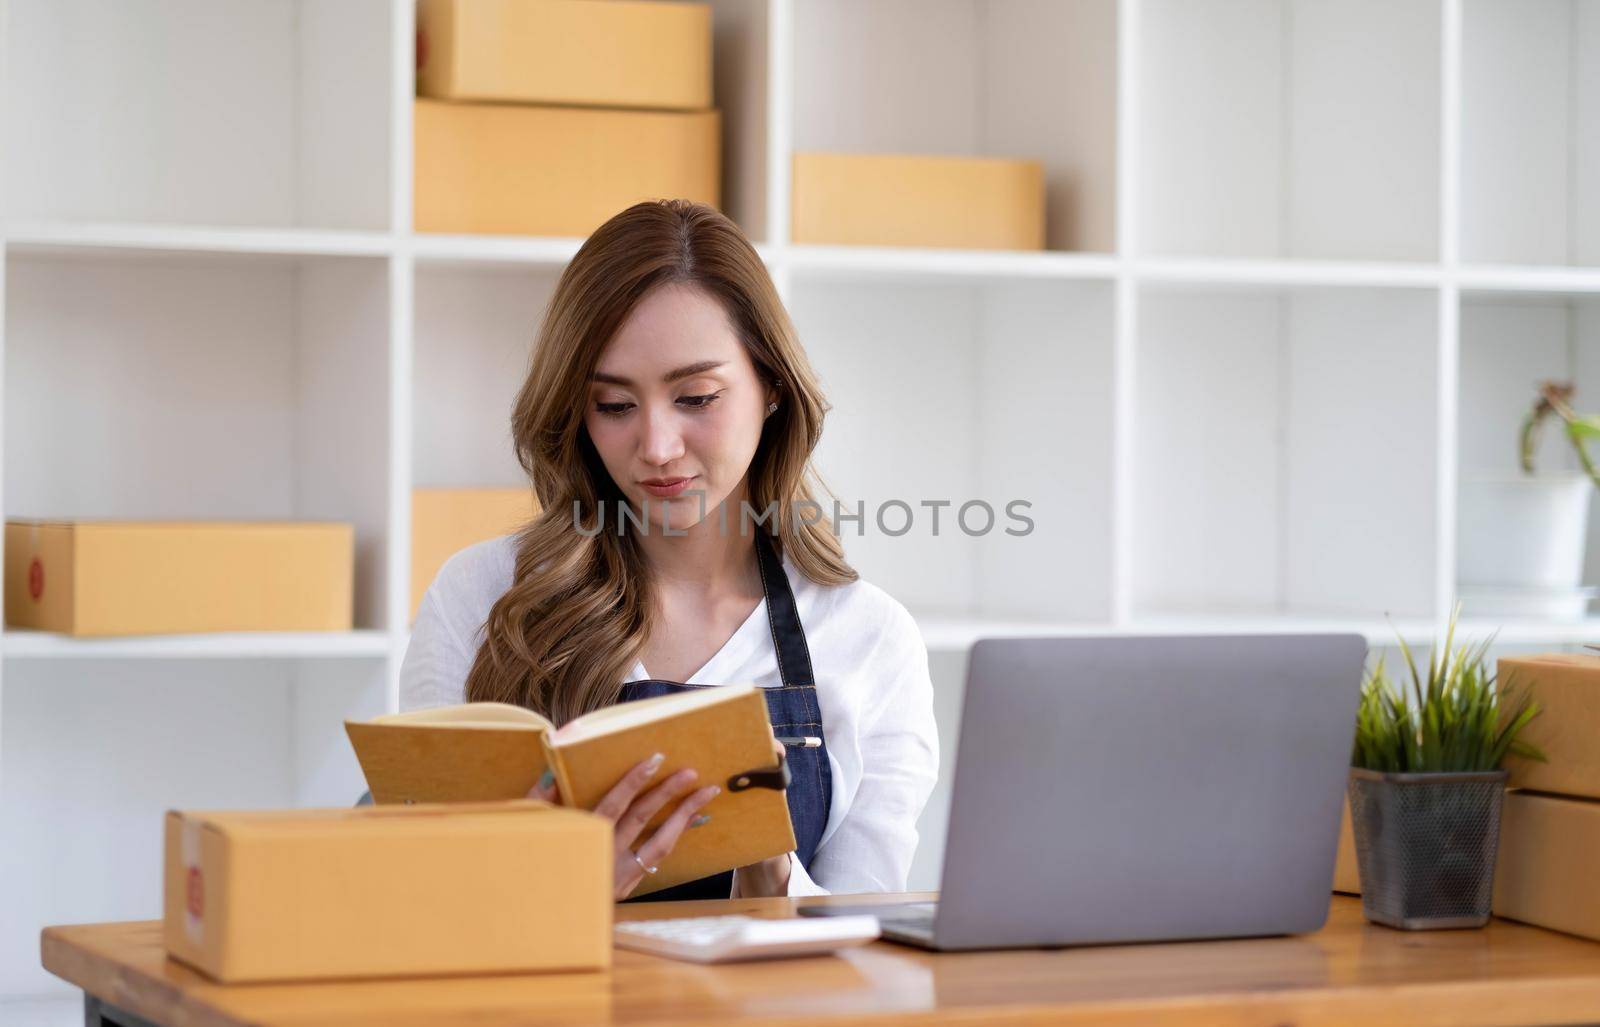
914 919
912 911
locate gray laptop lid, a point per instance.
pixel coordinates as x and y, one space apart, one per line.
1147 788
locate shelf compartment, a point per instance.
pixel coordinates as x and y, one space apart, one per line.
192 389
266 113
1285 452
1006 396
1290 128
992 78
1530 131
475 330
1510 342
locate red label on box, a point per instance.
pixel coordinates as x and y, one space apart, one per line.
36 579
197 893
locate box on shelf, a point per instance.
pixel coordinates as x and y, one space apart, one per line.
508 169
90 578
446 521
1567 687
569 52
1546 872
894 200
388 890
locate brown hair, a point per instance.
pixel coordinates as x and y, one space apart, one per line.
579 610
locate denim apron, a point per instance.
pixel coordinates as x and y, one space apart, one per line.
795 715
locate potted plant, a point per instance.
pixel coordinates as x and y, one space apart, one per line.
1521 540
1426 785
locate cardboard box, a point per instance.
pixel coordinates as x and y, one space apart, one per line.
388 890
1346 869
568 52
563 171
1548 871
885 200
142 578
1567 687
446 521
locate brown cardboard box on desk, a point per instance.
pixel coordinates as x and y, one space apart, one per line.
900 200
1346 871
1548 871
561 171
169 577
1567 688
446 521
377 891
566 52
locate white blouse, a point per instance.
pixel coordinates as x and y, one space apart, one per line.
873 690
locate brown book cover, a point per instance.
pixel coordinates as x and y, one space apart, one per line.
482 751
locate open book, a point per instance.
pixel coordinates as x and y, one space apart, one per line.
480 751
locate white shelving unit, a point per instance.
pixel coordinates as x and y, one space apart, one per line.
1305 262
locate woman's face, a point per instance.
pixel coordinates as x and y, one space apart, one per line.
675 408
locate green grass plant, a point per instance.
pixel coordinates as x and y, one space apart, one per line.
1455 719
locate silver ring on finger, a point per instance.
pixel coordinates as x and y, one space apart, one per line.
648 870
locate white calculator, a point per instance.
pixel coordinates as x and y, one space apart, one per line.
723 939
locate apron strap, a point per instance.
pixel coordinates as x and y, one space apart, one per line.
788 637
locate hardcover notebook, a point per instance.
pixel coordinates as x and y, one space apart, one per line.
485 751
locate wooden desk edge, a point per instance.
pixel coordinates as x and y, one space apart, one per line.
75 953
82 955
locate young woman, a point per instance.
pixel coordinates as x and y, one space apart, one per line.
669 412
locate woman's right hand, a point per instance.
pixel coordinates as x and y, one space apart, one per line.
629 811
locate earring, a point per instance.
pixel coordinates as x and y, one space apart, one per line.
772 408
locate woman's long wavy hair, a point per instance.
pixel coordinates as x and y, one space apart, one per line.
579 610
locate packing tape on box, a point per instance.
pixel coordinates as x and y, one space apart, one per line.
193 882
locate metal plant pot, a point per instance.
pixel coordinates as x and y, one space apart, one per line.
1425 846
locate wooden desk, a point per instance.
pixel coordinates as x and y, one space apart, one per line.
1349 971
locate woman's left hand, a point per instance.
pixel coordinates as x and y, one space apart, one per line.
770 876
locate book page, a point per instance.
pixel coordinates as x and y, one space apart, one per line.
627 715
497 715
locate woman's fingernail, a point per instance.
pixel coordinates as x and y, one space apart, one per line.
716 790
697 821
655 762
546 779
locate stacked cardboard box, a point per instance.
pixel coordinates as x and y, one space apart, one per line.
546 117
1549 867
446 521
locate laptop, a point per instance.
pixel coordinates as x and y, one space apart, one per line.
1137 789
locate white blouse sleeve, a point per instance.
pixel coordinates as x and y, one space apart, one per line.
872 848
434 672
449 627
